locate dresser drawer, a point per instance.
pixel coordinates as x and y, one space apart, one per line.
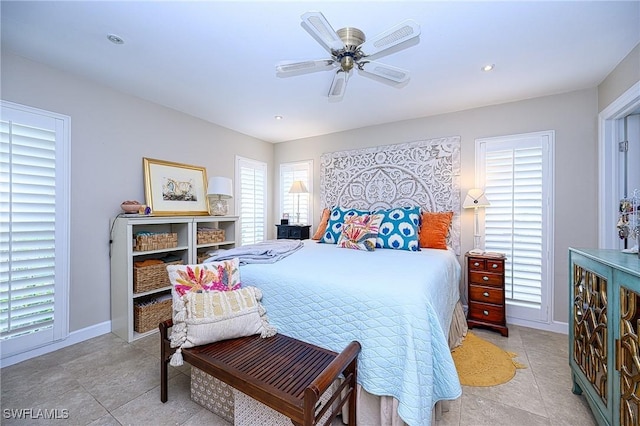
486 312
486 295
484 278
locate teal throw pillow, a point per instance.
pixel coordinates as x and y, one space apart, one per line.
399 229
336 221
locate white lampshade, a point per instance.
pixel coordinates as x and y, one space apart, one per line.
298 187
475 198
220 186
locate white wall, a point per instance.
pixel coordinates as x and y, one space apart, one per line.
110 133
571 115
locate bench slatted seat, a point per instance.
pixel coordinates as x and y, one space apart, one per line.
283 373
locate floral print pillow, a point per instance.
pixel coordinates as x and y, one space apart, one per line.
360 232
211 276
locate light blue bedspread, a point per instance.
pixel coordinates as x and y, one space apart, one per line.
397 304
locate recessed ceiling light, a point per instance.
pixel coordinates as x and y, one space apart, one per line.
278 117
115 39
488 67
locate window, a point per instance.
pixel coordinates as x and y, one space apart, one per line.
251 193
292 203
34 245
517 175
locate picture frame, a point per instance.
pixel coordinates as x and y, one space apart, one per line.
175 189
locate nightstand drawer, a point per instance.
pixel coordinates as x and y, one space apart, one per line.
484 278
486 312
293 232
489 265
486 295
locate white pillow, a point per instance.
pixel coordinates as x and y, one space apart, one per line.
207 317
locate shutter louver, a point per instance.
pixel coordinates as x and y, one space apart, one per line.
27 244
513 221
252 201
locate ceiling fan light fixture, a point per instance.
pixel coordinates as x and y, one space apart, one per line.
346 63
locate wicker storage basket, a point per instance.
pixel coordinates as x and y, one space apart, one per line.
210 235
147 242
147 278
147 317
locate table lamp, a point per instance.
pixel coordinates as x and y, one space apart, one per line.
475 199
219 190
298 187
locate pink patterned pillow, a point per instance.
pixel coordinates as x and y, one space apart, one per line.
211 276
360 232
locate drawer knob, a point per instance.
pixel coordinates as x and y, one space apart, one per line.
495 265
476 264
485 294
485 278
486 313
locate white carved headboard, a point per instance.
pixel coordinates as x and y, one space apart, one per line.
424 173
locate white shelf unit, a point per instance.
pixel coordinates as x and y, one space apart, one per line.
227 223
123 231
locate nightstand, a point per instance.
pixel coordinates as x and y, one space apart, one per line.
293 232
485 285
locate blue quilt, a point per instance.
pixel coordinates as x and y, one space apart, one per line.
397 304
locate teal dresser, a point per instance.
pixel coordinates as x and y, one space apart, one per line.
604 321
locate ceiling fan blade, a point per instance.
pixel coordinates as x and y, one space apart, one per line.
338 86
317 25
291 68
386 73
400 33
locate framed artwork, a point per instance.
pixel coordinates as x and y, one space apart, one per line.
174 189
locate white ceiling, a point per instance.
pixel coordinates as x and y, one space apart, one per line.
215 59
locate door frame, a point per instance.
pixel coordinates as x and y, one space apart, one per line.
610 132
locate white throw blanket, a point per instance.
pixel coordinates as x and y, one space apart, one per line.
269 251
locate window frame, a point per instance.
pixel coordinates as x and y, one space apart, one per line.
546 141
301 167
60 330
255 165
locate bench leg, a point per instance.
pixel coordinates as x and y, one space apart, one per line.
353 368
165 357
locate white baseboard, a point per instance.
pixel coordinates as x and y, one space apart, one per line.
73 338
555 327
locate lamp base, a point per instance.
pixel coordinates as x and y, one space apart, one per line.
218 207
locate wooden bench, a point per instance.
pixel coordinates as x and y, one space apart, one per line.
283 373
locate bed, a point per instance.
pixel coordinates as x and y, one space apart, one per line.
397 304
402 306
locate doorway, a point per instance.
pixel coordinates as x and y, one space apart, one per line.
619 162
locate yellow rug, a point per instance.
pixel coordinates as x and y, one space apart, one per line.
480 363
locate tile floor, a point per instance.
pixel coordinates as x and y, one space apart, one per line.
106 381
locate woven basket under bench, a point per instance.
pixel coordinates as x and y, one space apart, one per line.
147 278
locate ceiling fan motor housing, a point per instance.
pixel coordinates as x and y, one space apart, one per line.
350 54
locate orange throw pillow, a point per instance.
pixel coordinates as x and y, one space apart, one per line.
322 226
434 229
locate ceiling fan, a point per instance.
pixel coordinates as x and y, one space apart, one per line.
350 49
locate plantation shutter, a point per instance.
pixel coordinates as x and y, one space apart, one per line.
252 176
513 221
289 173
34 246
516 177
